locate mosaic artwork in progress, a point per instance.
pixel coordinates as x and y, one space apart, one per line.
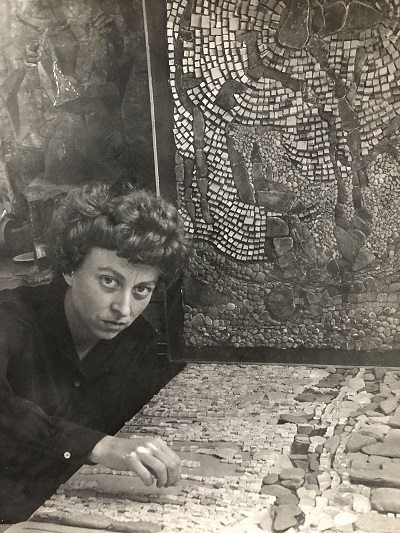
286 117
263 448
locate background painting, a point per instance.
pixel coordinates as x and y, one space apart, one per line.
74 99
76 105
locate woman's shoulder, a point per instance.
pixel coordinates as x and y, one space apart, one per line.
27 299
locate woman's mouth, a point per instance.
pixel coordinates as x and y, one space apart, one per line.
114 324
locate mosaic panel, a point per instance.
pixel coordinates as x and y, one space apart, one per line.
286 117
264 448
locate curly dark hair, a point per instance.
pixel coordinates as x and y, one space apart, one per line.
135 223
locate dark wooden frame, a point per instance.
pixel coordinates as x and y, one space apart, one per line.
175 346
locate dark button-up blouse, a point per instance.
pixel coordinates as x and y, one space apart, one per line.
54 408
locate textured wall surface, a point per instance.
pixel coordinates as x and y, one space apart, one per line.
73 92
287 166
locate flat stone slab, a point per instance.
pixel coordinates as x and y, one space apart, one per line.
375 477
394 421
390 448
392 435
297 474
294 419
375 430
285 517
357 442
374 523
361 504
386 500
275 490
389 405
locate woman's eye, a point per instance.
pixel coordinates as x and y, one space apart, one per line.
109 281
142 290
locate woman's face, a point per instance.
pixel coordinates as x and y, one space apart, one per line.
106 294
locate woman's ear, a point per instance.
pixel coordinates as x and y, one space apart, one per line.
68 277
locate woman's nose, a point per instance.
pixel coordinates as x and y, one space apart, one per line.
122 304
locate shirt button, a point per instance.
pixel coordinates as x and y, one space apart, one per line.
77 383
67 455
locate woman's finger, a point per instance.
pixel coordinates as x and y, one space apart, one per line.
135 464
170 460
154 463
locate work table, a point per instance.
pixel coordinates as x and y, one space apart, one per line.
263 448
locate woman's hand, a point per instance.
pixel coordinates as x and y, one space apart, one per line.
148 458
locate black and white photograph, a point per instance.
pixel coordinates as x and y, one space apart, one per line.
200 266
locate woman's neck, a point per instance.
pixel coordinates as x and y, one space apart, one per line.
83 343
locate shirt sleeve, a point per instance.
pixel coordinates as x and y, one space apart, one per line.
24 425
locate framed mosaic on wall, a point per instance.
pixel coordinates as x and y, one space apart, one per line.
286 126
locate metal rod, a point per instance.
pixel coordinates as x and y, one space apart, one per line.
151 94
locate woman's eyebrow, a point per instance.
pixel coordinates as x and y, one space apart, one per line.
150 282
115 273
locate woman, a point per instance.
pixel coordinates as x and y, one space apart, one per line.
76 358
